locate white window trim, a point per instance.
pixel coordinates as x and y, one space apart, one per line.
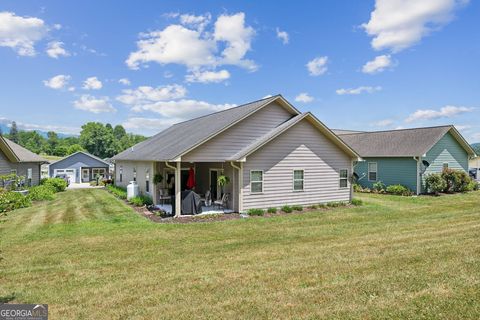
340 178
443 165
263 181
293 180
13 171
376 171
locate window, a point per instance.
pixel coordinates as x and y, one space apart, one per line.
256 181
29 176
13 171
121 174
99 172
372 171
343 178
445 165
298 180
147 181
135 174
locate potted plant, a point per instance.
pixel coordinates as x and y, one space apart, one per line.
157 178
223 180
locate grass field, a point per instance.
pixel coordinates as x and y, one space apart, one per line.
89 256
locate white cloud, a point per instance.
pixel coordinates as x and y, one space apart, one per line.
283 35
149 124
359 90
146 95
57 82
304 97
399 24
463 127
92 104
188 44
21 33
379 64
317 66
92 83
208 76
124 81
445 112
40 127
383 123
55 49
476 136
184 108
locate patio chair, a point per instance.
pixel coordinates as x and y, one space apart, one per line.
222 204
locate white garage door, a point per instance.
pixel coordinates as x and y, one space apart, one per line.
69 172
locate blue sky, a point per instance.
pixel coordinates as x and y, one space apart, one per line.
365 65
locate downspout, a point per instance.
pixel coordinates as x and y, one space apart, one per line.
170 166
239 187
418 159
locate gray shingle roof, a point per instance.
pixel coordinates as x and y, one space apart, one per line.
23 154
181 137
396 143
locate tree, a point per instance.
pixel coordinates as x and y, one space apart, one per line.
97 139
13 135
52 142
119 132
74 148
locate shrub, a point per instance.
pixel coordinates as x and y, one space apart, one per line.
255 212
456 180
379 186
313 206
337 204
272 210
287 209
140 201
357 187
43 192
434 183
357 202
10 200
472 186
118 192
297 208
398 189
322 206
57 183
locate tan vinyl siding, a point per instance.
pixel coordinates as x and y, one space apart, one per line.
127 174
229 142
6 167
300 147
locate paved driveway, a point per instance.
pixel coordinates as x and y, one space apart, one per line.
83 185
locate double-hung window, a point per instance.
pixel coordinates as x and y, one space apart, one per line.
147 181
298 179
445 165
256 181
372 171
343 178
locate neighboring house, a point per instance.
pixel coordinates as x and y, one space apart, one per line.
80 167
406 156
17 159
273 154
474 167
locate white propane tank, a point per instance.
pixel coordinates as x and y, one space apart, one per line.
132 190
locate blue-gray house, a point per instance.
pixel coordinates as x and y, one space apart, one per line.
80 167
406 156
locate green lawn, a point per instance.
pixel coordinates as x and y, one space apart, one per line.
89 256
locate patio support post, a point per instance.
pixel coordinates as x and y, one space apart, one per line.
178 190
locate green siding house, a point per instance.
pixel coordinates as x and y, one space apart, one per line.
406 156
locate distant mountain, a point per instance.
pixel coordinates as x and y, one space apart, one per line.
5 123
476 147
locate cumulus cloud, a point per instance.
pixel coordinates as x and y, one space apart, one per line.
304 98
317 66
283 36
57 82
184 108
92 83
124 81
208 76
379 64
149 124
21 33
55 50
383 123
92 104
190 45
399 24
146 95
445 112
359 90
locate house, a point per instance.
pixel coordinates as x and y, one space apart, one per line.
474 167
16 159
272 154
406 156
80 167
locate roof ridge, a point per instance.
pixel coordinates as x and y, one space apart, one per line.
229 109
396 130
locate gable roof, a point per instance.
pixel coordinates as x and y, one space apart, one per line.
17 153
401 143
287 125
183 137
82 152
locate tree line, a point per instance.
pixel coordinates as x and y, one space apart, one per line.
103 141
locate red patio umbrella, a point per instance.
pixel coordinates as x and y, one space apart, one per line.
191 179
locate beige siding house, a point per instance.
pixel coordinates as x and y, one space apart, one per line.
272 154
16 159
